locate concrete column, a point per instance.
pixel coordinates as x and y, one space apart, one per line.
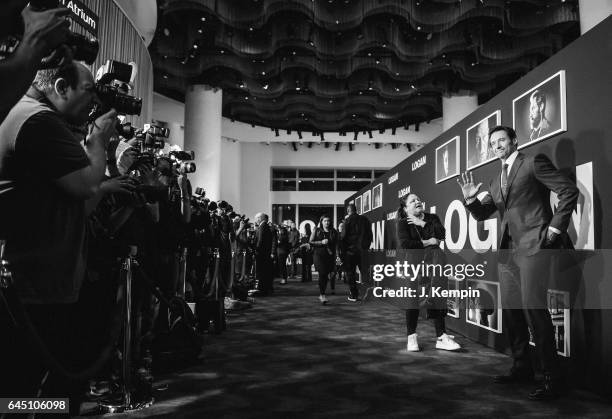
203 135
592 12
455 108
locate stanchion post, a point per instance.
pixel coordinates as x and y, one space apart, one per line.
126 402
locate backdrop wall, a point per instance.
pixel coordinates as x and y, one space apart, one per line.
583 150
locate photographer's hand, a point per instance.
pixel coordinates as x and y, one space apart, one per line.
103 129
44 31
122 184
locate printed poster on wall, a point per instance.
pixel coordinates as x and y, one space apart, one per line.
540 112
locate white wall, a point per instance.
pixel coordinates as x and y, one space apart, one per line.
258 159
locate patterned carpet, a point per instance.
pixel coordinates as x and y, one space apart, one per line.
290 357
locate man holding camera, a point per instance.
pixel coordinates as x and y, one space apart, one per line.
263 254
44 216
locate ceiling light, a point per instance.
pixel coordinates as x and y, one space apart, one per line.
195 46
263 73
166 31
165 76
200 31
265 86
203 19
246 98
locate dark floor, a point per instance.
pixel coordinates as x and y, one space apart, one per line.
290 357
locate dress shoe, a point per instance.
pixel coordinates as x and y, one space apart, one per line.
548 390
515 376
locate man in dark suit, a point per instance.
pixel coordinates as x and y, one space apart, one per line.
294 242
355 241
263 254
521 195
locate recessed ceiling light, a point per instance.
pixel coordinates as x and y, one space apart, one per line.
203 19
200 31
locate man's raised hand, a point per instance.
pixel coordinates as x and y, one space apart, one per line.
468 188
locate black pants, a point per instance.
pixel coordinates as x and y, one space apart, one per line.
324 277
412 317
524 287
265 273
23 370
281 261
306 272
352 260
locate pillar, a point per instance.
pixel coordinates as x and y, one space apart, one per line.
203 135
455 108
592 12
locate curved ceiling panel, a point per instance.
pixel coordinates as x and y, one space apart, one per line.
352 65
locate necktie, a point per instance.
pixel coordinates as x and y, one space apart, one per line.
504 179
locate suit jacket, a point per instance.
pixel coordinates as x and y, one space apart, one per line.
265 238
357 234
525 210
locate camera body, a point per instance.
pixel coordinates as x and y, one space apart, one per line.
112 85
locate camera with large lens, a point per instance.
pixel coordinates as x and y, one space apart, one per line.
182 161
112 85
83 48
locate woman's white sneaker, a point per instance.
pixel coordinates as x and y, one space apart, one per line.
412 345
447 343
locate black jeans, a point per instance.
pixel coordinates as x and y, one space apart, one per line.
412 317
324 274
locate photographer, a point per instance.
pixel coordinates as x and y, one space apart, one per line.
53 176
44 32
263 254
169 234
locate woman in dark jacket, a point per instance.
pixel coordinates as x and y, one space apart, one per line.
324 240
305 253
417 229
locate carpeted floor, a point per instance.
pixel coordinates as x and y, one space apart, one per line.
291 357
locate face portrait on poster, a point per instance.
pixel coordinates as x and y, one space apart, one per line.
484 311
540 112
358 204
447 160
366 201
377 196
453 304
477 147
